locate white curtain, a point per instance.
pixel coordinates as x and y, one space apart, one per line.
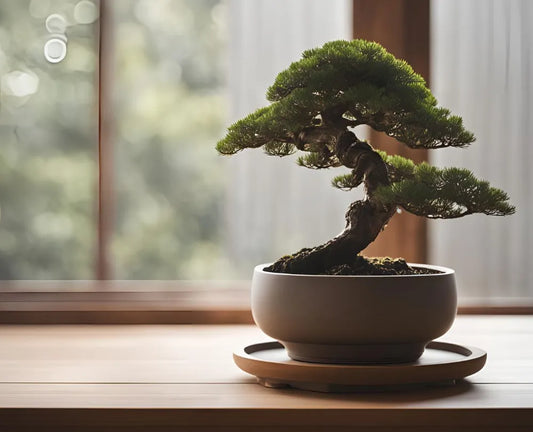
274 206
482 53
480 68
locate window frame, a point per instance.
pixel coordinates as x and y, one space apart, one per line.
125 302
403 28
105 143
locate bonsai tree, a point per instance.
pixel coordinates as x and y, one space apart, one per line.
317 101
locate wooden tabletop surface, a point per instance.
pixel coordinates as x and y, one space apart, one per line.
183 377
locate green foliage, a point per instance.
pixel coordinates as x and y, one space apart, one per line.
344 84
47 148
272 125
432 192
345 182
317 160
169 185
275 148
443 193
358 82
399 168
338 65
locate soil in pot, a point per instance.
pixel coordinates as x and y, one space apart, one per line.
367 266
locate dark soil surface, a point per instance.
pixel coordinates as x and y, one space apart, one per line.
379 266
366 266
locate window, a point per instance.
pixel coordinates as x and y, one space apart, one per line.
183 211
158 203
168 75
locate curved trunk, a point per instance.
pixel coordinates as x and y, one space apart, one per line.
364 219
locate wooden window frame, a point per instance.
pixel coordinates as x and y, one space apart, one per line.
125 302
105 301
402 27
105 144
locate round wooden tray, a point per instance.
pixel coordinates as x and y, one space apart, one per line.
440 363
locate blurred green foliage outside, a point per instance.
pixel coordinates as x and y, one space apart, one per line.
169 109
48 136
170 80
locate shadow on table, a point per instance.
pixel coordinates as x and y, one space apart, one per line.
392 394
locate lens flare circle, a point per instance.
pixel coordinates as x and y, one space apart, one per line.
55 50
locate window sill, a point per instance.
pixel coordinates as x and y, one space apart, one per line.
161 378
125 302
161 302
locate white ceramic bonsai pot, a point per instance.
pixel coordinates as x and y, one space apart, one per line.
354 319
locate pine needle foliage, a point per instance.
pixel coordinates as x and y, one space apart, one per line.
399 167
361 82
316 100
345 182
440 193
317 161
425 190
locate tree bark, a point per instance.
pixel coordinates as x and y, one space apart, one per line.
365 219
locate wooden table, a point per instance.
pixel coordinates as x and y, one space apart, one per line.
163 378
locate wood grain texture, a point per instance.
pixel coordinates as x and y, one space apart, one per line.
203 353
241 396
125 302
266 419
441 362
52 315
160 378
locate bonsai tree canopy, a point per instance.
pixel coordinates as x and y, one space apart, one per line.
314 105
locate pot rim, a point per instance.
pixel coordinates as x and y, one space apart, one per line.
444 271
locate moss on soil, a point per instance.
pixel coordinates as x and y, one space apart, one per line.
378 266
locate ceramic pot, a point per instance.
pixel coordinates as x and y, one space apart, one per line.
354 319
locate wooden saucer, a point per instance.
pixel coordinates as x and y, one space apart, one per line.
440 363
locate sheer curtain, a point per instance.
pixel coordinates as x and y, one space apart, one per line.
481 69
275 207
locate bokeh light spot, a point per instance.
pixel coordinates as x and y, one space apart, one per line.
55 50
56 23
85 12
20 84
